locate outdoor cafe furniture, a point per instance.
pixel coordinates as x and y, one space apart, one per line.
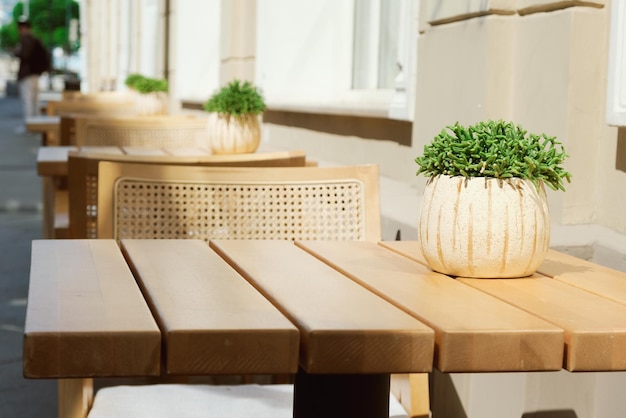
181 130
359 308
203 202
100 103
52 125
47 126
52 166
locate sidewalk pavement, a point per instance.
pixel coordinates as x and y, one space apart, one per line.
20 223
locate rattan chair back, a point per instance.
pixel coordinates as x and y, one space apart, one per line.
303 203
162 131
83 173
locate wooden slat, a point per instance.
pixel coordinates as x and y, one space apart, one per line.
208 312
408 249
595 327
344 328
592 277
84 304
474 332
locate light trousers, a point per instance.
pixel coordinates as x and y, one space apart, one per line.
29 93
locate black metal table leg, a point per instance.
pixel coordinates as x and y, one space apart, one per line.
340 395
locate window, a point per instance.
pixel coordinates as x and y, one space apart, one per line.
376 40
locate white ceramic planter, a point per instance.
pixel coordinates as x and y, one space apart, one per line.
151 103
484 227
233 135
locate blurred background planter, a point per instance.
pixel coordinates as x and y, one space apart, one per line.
155 103
229 134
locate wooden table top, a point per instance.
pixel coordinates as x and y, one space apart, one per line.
208 316
52 161
334 307
42 123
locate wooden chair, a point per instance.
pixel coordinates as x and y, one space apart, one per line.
95 105
112 103
83 174
142 131
333 203
238 203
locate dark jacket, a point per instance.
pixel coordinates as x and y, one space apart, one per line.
32 55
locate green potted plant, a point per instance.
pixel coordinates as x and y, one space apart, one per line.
234 125
484 212
151 94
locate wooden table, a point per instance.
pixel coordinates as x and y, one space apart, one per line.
47 126
52 167
86 317
359 309
52 161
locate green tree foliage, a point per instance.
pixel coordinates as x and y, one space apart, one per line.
50 21
9 37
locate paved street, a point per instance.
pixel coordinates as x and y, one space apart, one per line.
20 222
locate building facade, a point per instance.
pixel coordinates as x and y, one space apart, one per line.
373 81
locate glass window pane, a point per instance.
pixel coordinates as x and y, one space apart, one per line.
388 46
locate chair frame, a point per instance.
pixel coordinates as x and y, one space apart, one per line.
83 175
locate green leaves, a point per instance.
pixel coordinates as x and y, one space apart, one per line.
495 149
236 99
144 84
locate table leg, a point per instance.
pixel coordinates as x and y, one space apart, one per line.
340 395
75 397
48 206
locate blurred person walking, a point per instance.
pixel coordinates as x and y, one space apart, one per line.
34 60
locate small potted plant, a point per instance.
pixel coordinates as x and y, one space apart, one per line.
484 211
150 94
234 125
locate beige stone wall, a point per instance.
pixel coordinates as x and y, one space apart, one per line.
545 70
542 64
238 37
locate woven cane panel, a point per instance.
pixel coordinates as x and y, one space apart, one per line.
91 200
316 211
157 137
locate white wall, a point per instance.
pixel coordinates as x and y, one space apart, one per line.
304 49
195 49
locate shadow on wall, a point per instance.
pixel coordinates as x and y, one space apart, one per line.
445 401
561 413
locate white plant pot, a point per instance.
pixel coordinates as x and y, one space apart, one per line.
151 103
233 135
484 227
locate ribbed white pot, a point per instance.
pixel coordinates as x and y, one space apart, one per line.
484 227
151 103
233 135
